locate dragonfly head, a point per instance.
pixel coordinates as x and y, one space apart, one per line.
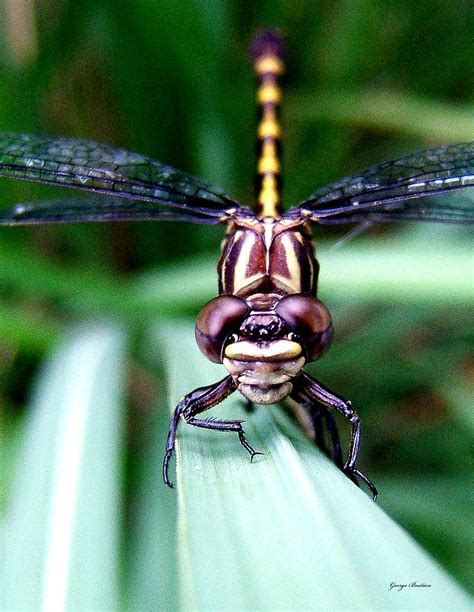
264 341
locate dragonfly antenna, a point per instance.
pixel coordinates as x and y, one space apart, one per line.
267 52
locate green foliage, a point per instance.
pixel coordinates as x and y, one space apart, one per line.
366 81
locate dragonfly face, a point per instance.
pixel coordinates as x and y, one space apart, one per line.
270 349
264 341
266 323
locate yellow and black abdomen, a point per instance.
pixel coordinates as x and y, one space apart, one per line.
267 55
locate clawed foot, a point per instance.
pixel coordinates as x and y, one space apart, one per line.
354 474
243 440
254 454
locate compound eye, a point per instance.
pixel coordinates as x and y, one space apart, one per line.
216 321
310 320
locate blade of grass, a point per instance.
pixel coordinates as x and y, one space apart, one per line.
62 527
387 111
397 272
151 553
288 531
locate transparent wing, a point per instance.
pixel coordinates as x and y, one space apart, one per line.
407 188
114 172
96 208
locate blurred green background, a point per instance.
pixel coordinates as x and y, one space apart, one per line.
366 80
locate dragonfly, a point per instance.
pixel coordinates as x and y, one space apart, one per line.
266 323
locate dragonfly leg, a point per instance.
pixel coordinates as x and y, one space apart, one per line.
318 426
334 437
220 425
197 401
320 416
309 391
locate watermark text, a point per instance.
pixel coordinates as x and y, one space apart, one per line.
395 586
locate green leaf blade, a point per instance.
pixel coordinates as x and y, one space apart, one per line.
62 525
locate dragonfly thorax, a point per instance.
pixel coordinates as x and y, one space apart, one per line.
262 257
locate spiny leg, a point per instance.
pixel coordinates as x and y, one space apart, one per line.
306 389
192 404
220 425
201 399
